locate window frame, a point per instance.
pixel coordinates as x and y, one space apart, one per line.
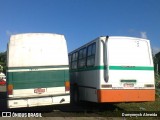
92 55
83 58
75 60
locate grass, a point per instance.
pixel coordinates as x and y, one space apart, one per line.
141 106
135 108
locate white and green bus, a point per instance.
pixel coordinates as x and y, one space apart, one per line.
112 69
37 70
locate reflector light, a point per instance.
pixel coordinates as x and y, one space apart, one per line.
67 86
10 89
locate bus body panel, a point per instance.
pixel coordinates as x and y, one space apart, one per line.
37 49
122 72
38 70
130 70
87 85
127 95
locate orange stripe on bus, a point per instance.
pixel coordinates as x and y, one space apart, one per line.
125 95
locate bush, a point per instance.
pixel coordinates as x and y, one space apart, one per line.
157 84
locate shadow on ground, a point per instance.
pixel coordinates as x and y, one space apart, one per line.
64 110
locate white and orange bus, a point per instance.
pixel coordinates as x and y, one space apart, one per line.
112 69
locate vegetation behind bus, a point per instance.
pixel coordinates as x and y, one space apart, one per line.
156 59
3 61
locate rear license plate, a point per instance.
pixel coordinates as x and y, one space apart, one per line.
39 90
128 85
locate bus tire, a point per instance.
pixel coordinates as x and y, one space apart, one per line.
76 96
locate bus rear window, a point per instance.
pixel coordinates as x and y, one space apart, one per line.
129 52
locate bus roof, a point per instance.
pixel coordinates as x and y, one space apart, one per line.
104 37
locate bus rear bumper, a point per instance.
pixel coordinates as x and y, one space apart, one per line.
126 95
43 101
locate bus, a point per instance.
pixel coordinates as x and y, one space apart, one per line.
112 69
37 70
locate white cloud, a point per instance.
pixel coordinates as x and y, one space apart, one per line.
136 33
143 35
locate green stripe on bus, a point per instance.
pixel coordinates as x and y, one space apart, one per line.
129 81
38 79
113 68
38 67
130 68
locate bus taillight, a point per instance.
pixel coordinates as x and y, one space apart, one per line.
67 86
10 89
149 85
106 86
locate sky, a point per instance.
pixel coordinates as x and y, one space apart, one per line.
81 21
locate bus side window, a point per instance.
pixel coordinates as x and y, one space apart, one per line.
74 59
91 51
82 58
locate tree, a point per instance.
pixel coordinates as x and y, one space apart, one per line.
157 63
3 60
